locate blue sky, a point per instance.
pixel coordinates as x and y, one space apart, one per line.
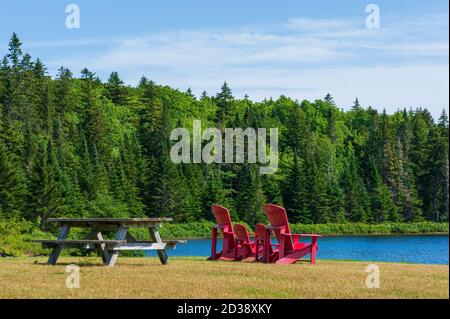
301 49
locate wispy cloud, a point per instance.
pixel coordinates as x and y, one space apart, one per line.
304 24
303 58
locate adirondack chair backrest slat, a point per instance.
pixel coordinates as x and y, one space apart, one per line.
260 231
222 216
278 218
241 233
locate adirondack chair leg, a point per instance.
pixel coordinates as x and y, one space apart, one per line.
162 254
313 250
57 250
214 244
282 246
120 235
266 247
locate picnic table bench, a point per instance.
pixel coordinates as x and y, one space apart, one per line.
109 249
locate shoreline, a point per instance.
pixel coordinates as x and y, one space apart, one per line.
349 235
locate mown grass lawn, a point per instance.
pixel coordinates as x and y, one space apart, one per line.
197 278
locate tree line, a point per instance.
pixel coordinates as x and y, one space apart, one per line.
81 147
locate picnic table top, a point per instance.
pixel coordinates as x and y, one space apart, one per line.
124 221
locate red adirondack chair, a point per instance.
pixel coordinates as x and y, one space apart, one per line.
266 251
223 220
246 249
291 248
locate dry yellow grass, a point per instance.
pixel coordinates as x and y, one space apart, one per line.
198 278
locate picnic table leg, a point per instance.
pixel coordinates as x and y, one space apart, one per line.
57 250
130 238
96 234
162 254
120 235
103 250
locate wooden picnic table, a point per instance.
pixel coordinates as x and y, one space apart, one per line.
109 249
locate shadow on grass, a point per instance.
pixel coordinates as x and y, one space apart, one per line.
98 263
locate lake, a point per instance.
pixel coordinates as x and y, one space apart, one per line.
421 249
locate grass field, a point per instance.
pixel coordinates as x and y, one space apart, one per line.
198 278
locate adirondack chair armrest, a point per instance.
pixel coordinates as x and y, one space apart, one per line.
276 227
301 235
260 241
309 235
296 237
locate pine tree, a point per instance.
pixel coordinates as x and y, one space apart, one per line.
190 94
297 132
355 193
356 105
94 120
443 165
295 194
421 155
329 99
12 185
45 198
117 92
250 198
166 196
15 51
204 96
215 193
383 207
438 163
224 100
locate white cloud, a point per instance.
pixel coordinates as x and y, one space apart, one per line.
380 87
304 58
315 25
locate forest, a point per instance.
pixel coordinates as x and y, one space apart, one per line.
80 147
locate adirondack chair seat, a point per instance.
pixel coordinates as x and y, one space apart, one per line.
246 249
266 250
297 244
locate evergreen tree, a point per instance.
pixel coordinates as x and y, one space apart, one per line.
356 105
12 185
250 198
117 92
45 198
224 100
355 193
329 99
14 51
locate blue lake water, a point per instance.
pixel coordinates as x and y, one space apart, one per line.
421 249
